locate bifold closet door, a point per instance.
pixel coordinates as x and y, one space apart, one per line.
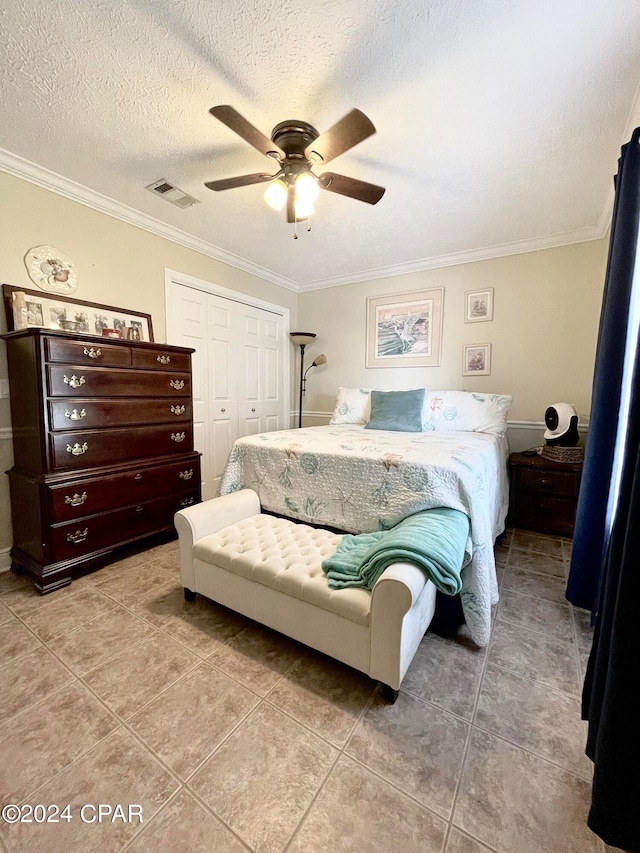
262 385
238 381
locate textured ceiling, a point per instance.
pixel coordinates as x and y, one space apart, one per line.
499 122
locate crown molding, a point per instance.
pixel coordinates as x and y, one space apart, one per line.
19 167
42 177
552 241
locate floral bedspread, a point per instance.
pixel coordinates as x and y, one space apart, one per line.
362 480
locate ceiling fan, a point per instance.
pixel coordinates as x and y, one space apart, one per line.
298 148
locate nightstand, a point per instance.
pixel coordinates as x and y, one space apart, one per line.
543 494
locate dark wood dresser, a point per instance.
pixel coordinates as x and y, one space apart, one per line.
103 447
543 494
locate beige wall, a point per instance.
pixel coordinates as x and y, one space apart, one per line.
543 335
546 309
118 264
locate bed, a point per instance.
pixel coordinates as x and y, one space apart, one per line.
360 480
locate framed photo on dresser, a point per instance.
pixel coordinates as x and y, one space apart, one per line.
32 308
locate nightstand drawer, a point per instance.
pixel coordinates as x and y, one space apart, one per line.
545 514
549 482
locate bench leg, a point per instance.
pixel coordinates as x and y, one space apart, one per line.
189 594
389 693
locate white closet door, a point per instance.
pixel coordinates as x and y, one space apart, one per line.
262 381
223 370
189 311
238 372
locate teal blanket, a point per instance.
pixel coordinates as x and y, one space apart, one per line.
434 540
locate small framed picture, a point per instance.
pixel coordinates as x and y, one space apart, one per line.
478 305
476 360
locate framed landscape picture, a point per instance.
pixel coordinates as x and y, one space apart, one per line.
478 305
405 329
34 308
476 360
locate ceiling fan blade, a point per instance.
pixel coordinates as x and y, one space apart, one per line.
349 131
240 181
234 121
352 187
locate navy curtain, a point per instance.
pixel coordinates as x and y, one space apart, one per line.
591 532
611 694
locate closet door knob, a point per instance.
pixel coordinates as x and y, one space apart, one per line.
253 410
223 410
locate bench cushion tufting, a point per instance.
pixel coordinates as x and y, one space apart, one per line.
287 556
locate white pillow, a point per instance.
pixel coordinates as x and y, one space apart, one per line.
446 411
353 406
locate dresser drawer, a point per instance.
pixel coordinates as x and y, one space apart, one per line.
160 359
92 414
76 450
113 382
99 532
549 482
86 352
99 494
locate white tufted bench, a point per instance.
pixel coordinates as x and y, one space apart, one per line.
270 570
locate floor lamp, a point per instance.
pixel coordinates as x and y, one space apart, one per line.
302 339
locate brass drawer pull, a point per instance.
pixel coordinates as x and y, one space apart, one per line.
75 415
76 500
544 482
163 359
74 382
78 537
186 475
92 353
178 410
178 384
139 509
178 436
138 477
186 502
77 450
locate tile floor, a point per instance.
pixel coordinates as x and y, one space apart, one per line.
233 738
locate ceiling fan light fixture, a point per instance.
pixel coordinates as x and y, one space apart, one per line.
307 190
303 209
276 194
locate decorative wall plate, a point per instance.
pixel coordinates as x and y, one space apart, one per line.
51 269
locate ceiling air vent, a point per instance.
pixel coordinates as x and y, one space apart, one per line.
173 194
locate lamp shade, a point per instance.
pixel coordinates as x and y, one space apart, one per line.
276 194
302 338
320 359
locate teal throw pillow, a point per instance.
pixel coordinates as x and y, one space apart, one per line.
399 411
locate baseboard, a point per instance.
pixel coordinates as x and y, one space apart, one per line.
5 559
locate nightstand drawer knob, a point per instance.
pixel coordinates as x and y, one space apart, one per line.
544 482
